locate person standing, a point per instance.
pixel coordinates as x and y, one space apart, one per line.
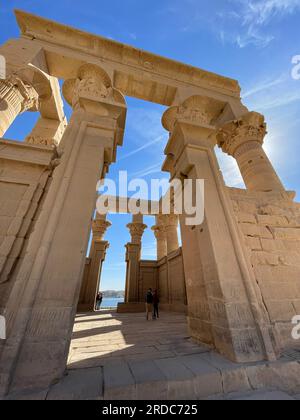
99 299
149 303
155 305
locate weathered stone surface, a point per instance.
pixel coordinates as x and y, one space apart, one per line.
119 383
149 380
239 271
82 384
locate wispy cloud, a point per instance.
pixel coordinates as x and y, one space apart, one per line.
265 85
152 169
278 101
250 20
144 147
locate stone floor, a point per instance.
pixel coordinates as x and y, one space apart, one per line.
120 356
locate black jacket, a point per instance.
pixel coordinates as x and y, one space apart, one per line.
149 297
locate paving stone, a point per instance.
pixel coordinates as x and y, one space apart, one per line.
119 383
159 361
265 396
150 381
208 380
234 375
180 379
85 384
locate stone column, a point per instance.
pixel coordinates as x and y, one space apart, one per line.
47 132
45 298
93 268
16 97
224 305
161 238
133 257
171 226
243 139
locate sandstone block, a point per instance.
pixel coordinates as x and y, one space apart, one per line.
247 207
266 220
253 243
246 218
286 233
256 231
282 311
264 258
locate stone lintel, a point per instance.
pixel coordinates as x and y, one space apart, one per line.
47 31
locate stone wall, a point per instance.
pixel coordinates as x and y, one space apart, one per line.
24 174
148 278
166 275
270 224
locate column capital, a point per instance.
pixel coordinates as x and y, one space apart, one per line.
29 97
136 232
159 232
234 134
191 126
197 110
99 228
23 90
91 86
95 100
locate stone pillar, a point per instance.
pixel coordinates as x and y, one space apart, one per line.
243 139
47 132
46 293
161 238
133 257
93 268
171 226
16 97
225 308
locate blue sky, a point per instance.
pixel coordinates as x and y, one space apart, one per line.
249 40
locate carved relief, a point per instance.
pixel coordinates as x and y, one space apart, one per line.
233 135
19 93
38 140
93 84
199 110
136 232
99 227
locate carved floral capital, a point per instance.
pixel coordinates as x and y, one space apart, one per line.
198 110
136 232
250 128
99 228
92 84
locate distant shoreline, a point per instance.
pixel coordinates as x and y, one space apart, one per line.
115 294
